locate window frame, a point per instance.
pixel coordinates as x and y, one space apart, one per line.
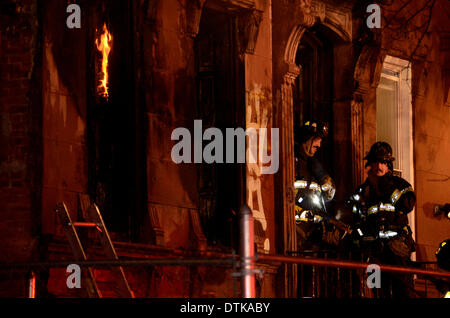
400 70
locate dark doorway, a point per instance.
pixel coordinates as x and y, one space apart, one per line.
313 98
220 103
313 93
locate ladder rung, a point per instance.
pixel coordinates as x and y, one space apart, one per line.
85 224
88 224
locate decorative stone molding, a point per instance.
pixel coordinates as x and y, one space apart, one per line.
291 47
319 10
193 15
196 230
367 76
339 19
308 18
356 118
292 74
155 226
237 5
290 194
245 4
248 30
368 68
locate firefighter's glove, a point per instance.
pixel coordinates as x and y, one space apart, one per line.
399 247
328 188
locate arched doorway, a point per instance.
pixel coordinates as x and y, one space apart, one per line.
323 90
313 90
317 81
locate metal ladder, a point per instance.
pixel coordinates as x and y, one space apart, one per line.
93 220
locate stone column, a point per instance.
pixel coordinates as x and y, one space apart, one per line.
357 140
288 171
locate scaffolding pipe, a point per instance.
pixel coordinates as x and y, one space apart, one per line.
227 261
222 261
348 264
142 262
247 251
32 285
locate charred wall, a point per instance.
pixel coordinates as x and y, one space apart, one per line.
200 67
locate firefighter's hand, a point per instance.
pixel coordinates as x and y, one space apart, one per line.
330 236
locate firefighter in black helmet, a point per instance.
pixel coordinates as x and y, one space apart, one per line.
382 204
313 187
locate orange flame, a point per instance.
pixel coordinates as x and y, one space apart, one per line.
104 46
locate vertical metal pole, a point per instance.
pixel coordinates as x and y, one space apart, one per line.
234 276
313 274
365 292
324 280
247 252
32 285
350 280
302 280
338 279
338 283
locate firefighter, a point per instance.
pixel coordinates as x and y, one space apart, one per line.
316 235
382 204
313 188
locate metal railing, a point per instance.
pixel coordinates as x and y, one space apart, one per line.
244 266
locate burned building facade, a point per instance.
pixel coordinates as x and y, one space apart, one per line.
250 64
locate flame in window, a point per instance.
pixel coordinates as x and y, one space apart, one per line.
104 46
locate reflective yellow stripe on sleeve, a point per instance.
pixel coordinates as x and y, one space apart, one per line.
380 207
373 209
302 184
398 193
386 207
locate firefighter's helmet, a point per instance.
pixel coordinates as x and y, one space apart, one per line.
380 152
311 129
443 255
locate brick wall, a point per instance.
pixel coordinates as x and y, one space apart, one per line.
18 150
